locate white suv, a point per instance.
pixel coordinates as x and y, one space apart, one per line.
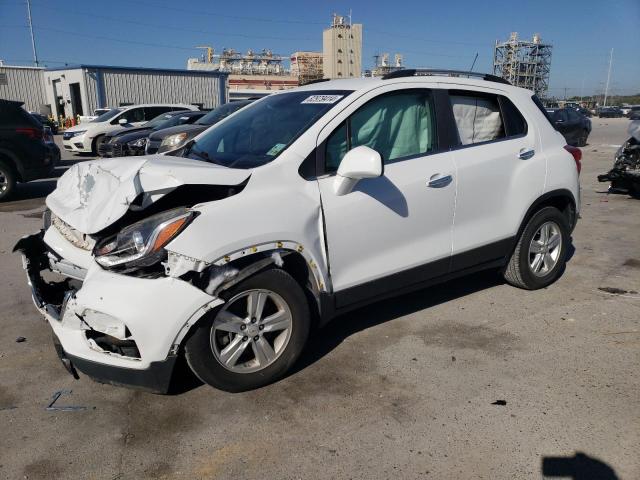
87 136
304 205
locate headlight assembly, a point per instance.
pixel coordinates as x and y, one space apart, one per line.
142 244
139 143
173 141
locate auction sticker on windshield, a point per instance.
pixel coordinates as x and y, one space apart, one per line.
276 149
327 99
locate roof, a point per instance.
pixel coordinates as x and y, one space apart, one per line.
214 73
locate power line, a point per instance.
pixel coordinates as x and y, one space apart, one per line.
184 29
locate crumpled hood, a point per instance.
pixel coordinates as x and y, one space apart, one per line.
90 196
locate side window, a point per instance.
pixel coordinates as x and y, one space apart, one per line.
397 125
132 115
477 117
152 112
514 122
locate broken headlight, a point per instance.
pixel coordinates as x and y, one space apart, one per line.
142 244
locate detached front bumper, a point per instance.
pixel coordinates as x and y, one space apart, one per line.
114 328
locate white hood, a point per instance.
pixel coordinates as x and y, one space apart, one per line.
90 196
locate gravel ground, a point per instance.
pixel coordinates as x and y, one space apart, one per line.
471 379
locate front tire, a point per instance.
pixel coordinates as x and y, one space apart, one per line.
97 143
7 180
255 337
541 252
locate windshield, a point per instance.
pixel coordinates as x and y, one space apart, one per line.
164 120
223 111
260 132
173 121
108 115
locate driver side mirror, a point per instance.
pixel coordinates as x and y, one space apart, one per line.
123 121
360 162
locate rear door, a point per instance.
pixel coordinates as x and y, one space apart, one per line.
500 169
393 231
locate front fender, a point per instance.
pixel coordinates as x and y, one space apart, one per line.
265 216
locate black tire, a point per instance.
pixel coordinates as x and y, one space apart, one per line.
582 141
204 364
7 180
518 271
97 142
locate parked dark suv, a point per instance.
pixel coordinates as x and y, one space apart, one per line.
26 152
572 125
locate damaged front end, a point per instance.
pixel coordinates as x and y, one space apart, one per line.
625 174
97 268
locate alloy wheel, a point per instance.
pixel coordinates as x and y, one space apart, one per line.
251 331
545 248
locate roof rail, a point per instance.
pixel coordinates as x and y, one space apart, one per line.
317 80
423 72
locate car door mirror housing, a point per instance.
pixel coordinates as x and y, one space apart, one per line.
359 163
123 121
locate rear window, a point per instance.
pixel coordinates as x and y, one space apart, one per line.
477 117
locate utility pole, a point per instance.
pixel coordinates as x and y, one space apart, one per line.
606 88
33 41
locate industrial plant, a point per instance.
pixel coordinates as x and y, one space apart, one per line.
524 63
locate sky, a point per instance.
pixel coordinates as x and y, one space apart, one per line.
436 34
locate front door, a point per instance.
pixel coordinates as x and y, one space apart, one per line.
393 231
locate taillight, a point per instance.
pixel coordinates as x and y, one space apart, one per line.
30 132
577 156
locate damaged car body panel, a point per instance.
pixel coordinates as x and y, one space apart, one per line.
90 196
258 222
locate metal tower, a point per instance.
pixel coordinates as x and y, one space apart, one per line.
525 64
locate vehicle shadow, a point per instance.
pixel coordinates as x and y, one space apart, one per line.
579 467
343 326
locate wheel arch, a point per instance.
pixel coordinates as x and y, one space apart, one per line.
11 159
291 260
562 199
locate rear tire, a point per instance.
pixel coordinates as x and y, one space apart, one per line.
7 180
582 141
235 350
539 257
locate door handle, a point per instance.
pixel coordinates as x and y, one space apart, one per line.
437 181
526 153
